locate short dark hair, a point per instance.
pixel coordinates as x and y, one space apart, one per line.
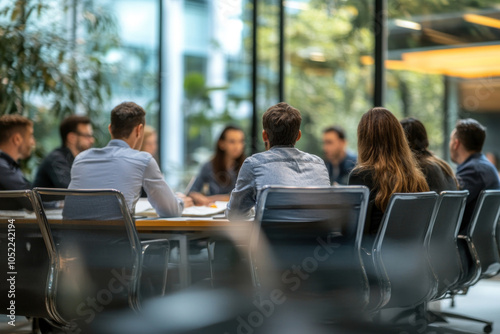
70 124
471 134
282 124
337 129
11 124
125 117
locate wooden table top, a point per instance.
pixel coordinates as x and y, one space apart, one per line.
188 224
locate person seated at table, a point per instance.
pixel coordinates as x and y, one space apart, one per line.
120 165
385 164
150 145
437 172
339 160
474 172
219 174
281 163
76 136
16 143
150 142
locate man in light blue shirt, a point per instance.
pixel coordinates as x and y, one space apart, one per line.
121 166
282 164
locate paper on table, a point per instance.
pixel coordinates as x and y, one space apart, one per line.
205 211
144 208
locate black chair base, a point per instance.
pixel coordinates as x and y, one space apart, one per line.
434 316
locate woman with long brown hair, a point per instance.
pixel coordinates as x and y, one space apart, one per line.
385 165
437 172
217 177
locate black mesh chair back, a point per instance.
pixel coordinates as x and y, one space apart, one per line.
482 231
319 230
442 239
24 258
399 250
96 254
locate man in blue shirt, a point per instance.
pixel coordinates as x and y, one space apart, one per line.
339 161
121 166
282 164
474 172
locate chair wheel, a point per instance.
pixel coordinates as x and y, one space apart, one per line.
487 329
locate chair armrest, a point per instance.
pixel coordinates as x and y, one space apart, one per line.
155 255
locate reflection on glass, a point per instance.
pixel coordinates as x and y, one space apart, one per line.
324 77
207 85
443 65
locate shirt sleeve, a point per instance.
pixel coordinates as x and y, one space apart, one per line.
201 178
161 197
244 195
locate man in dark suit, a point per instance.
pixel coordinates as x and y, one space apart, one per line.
474 172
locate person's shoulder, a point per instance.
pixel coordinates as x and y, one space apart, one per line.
83 155
207 166
257 157
310 157
361 174
59 153
4 158
351 156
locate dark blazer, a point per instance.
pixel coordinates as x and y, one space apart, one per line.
475 175
55 169
12 178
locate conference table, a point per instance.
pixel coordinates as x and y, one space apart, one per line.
179 229
186 229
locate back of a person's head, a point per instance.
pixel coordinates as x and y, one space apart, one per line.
381 137
383 149
282 124
11 124
416 134
70 124
471 134
125 117
336 129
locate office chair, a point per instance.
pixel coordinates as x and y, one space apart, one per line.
23 256
442 240
399 254
478 251
97 261
318 229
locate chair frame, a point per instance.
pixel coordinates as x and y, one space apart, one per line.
261 205
380 270
28 194
456 194
462 287
470 236
139 249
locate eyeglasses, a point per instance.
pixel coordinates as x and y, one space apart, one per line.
86 135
